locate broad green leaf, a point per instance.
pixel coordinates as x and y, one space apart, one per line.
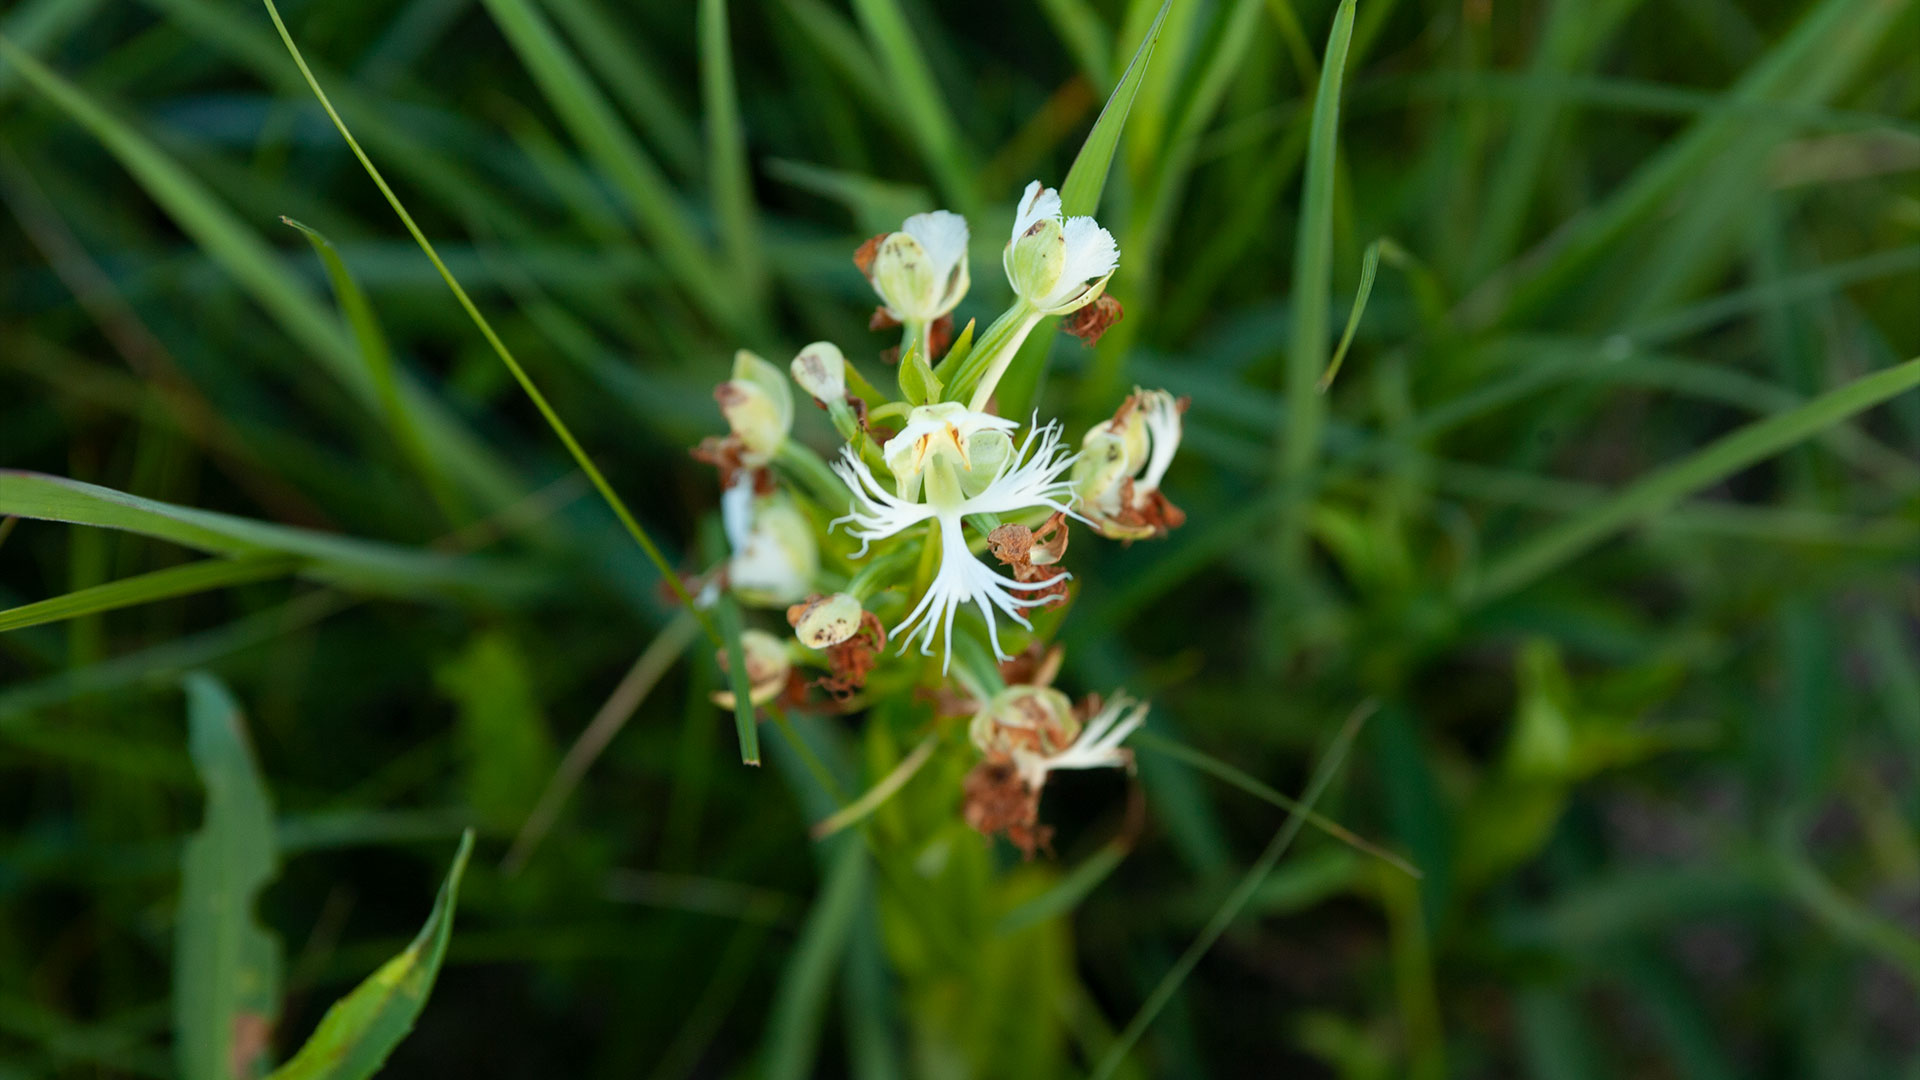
361 1029
358 564
165 584
226 967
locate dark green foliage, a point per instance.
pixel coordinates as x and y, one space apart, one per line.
1613 510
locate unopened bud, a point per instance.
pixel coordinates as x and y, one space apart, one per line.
825 621
821 370
757 404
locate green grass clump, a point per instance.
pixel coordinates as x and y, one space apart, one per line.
1580 611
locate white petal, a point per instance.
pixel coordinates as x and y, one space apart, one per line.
943 236
1162 414
1036 203
736 511
1091 255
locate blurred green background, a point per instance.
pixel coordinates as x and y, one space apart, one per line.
1656 754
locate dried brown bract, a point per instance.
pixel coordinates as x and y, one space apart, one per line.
725 453
998 800
1094 320
1032 553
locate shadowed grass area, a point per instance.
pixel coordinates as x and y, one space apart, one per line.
1607 526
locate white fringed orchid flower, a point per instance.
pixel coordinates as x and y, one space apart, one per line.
775 556
920 272
1057 265
821 370
949 462
1116 478
1097 747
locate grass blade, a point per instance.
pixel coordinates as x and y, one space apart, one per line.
630 77
1213 766
1312 285
911 81
226 968
730 184
1661 489
165 584
359 564
744 724
1369 265
1087 176
255 267
361 1029
378 356
652 200
613 500
653 663
1236 900
800 1003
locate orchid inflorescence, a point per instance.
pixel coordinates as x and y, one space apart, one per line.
883 542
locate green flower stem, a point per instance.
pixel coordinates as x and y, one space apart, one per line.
821 482
995 347
880 573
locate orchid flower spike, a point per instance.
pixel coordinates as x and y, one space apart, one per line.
1057 266
950 462
1116 479
920 272
775 556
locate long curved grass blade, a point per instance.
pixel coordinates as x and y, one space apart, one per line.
1369 265
361 1029
1664 487
359 564
226 967
646 672
560 429
1236 900
629 76
1207 763
165 584
1087 176
878 794
1066 893
358 312
1312 285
